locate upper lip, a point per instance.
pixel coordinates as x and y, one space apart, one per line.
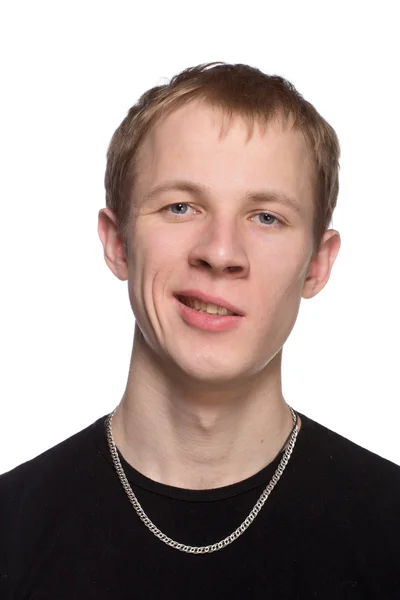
210 300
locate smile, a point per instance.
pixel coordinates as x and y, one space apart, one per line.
210 309
214 322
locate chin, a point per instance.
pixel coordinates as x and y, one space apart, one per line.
207 371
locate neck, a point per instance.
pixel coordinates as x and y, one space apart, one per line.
199 436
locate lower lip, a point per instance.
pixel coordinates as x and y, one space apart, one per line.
207 322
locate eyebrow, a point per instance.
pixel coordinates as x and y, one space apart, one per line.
202 191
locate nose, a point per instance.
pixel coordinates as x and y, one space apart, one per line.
220 248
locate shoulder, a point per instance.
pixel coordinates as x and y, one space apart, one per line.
348 465
58 466
45 496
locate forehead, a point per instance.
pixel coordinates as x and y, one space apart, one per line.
199 142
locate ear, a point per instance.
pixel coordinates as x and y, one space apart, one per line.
114 253
321 265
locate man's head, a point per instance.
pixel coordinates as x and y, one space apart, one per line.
224 182
239 90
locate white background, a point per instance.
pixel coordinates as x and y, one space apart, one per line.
69 73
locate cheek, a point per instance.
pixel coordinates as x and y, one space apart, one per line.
281 281
152 261
147 249
291 291
160 241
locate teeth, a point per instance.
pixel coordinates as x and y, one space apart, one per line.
211 309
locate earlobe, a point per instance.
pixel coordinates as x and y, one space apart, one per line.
114 253
320 268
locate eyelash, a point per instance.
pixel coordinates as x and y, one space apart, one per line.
279 222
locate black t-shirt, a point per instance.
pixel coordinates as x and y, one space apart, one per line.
330 528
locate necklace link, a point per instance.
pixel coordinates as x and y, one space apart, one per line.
230 538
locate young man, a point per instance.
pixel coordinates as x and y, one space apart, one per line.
203 482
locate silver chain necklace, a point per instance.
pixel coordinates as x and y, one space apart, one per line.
230 538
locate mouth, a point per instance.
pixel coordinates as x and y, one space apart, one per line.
205 316
205 307
203 302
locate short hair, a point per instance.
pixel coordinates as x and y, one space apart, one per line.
239 90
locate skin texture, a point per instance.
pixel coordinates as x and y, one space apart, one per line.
203 410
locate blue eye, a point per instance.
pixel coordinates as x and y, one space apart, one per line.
178 204
275 221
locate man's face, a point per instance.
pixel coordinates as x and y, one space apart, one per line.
253 252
